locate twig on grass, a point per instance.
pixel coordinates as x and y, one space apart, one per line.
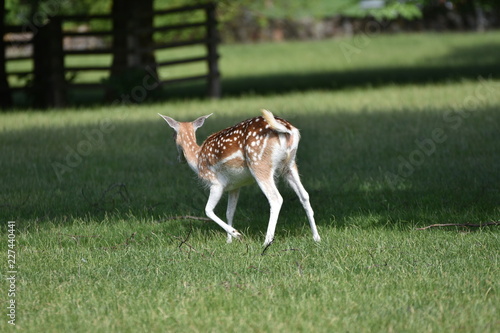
269 245
153 207
186 217
79 236
9 205
76 238
472 225
385 264
184 241
290 249
300 269
127 242
119 188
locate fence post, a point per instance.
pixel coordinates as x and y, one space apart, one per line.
49 86
214 89
6 100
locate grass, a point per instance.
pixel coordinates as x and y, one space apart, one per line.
363 280
97 248
367 61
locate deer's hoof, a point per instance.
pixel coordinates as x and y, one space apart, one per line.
234 233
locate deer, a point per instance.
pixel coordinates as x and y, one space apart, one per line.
255 150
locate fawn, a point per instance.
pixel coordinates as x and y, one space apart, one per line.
255 150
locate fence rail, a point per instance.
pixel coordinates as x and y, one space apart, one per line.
48 76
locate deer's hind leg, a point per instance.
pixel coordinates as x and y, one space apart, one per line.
232 201
265 180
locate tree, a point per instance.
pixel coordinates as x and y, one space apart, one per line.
132 39
132 25
6 99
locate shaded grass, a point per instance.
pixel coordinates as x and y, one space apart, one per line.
368 133
93 256
375 60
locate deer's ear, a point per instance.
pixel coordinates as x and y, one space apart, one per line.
171 122
200 121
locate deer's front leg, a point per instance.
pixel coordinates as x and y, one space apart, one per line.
275 201
216 192
232 201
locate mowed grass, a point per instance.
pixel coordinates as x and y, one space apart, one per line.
94 193
364 60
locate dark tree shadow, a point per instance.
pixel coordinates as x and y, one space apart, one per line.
467 62
134 172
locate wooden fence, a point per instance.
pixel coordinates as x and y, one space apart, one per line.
48 83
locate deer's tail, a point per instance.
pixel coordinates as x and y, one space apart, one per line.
273 123
291 137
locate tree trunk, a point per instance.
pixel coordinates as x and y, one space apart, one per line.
132 24
5 93
49 86
120 18
481 21
141 37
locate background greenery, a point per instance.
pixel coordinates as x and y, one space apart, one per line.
271 9
230 10
366 61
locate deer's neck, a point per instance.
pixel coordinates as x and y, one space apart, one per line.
190 149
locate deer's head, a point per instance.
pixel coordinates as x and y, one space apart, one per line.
185 134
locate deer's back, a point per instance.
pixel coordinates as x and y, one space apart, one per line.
233 152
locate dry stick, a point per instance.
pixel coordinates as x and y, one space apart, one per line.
152 207
131 238
459 225
78 236
126 243
184 241
8 205
279 252
190 217
187 217
122 191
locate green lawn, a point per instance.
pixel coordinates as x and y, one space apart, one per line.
365 60
94 193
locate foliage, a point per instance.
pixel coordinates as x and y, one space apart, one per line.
392 10
321 9
229 10
276 9
22 12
